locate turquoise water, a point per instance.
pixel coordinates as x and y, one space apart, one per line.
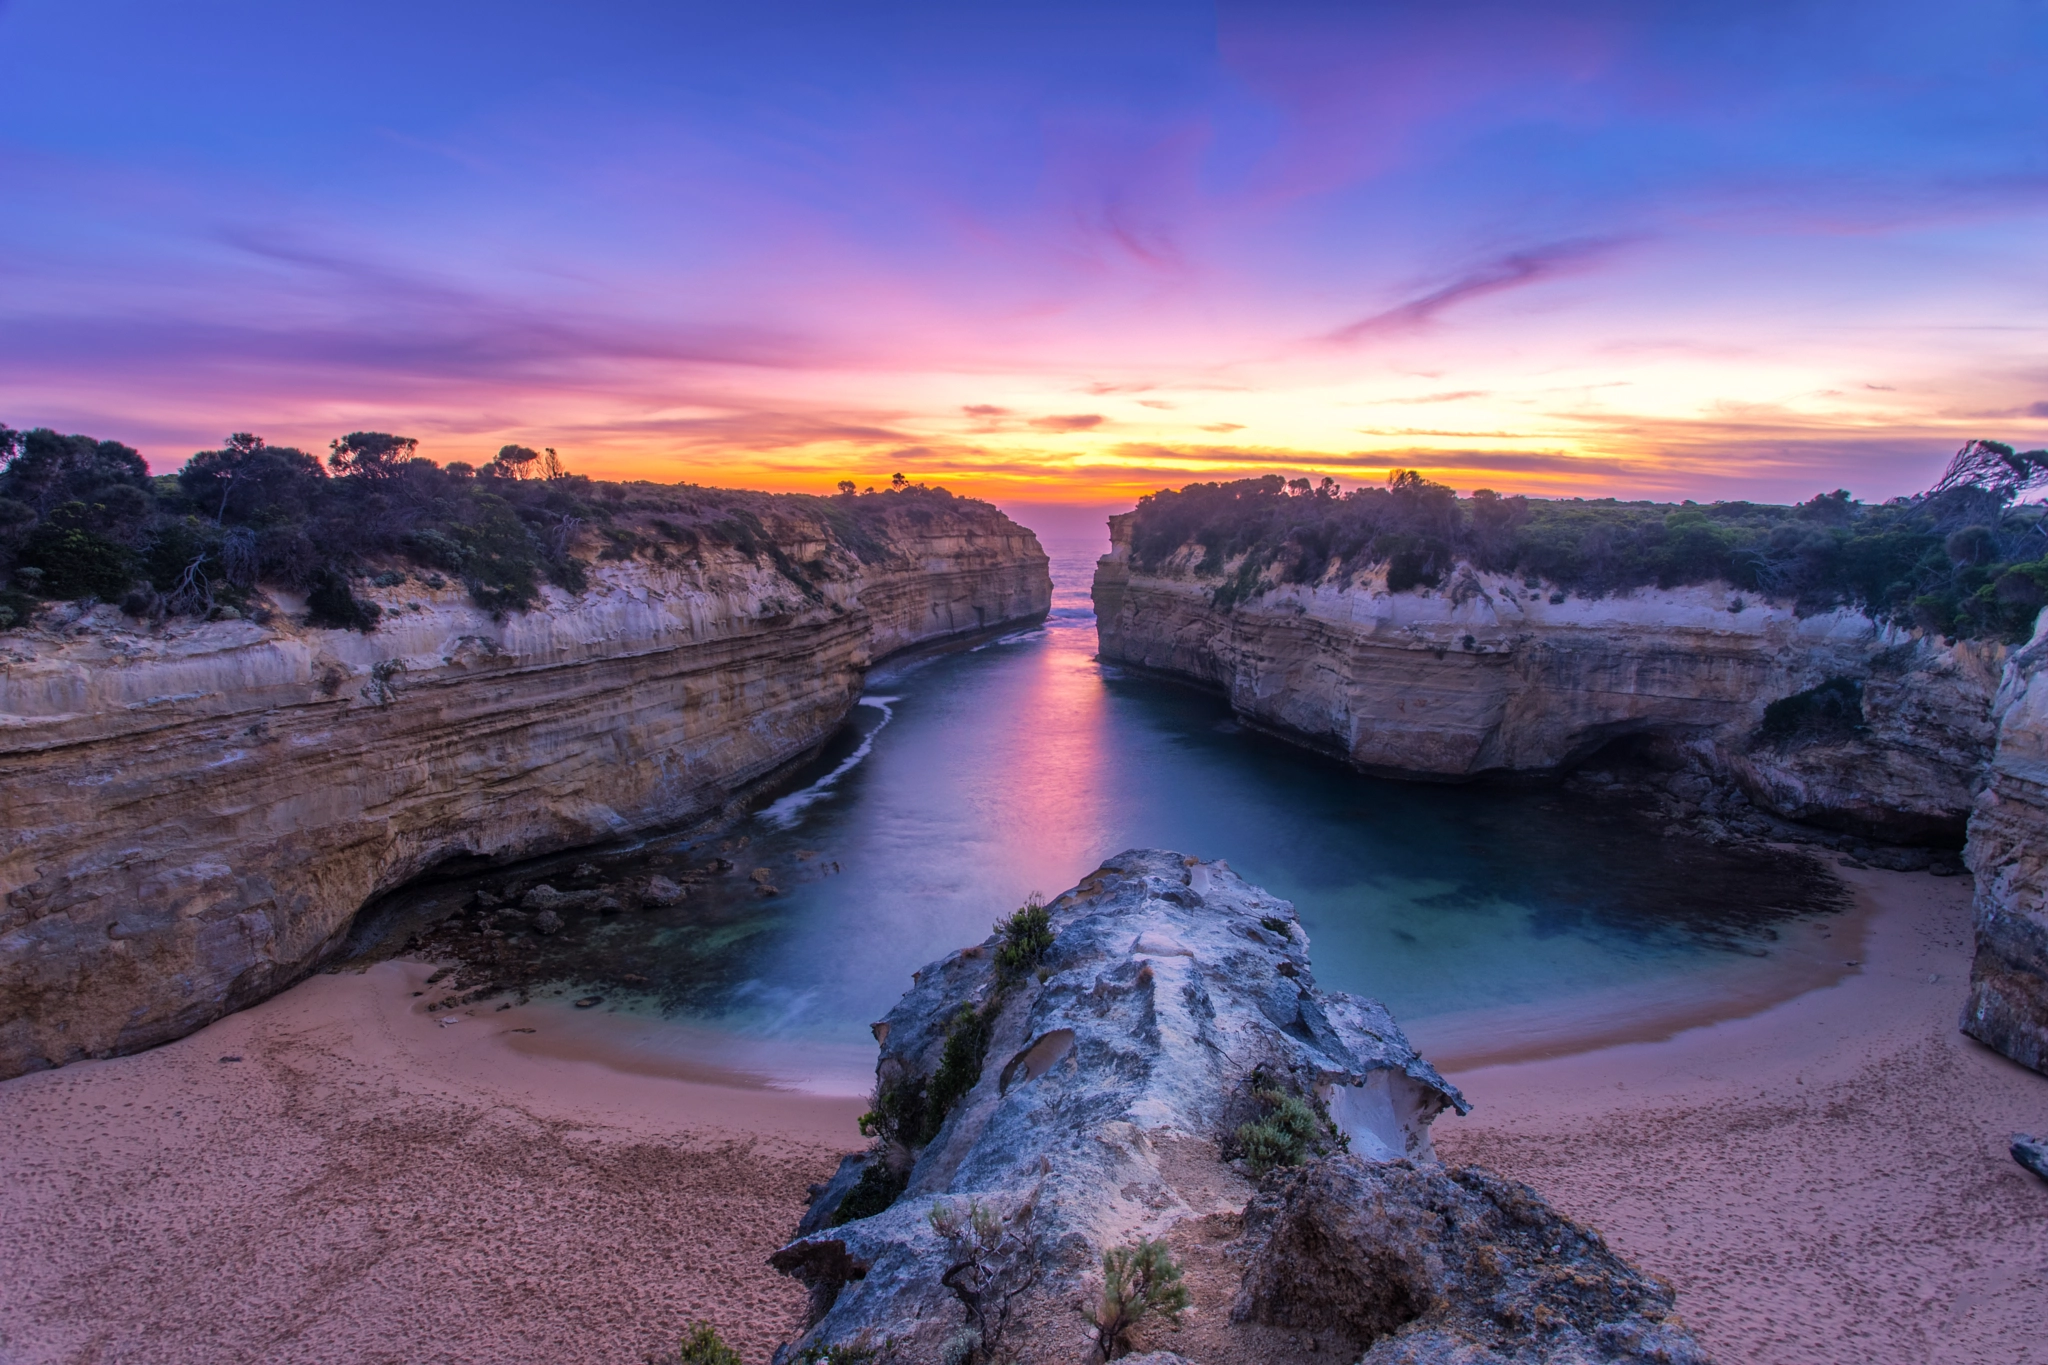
968 779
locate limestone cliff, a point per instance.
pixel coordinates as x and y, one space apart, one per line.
2008 1004
1490 674
1108 1082
195 813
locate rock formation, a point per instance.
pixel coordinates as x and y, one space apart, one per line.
1489 674
2008 1003
1119 1072
194 814
1918 742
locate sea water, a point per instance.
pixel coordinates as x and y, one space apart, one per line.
968 779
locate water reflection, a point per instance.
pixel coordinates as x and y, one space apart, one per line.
968 779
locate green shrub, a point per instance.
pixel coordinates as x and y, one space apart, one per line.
703 1346
1926 561
1027 938
1286 1135
1138 1282
959 1067
330 603
877 1188
77 561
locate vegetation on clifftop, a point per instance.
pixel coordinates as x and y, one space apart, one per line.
82 518
1960 559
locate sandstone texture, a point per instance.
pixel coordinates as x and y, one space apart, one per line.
2008 1002
194 814
1487 674
1118 1073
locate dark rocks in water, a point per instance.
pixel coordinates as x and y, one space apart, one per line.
1416 1263
660 891
1086 1095
2030 1152
589 1002
585 871
547 922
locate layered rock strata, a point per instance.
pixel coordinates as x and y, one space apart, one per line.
1119 1078
2008 1002
193 815
1487 674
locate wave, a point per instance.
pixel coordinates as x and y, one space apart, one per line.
784 813
1015 638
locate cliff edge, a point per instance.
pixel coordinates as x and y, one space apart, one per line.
196 811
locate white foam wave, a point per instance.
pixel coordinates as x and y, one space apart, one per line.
785 813
1017 638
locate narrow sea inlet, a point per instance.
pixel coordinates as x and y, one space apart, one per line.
1494 921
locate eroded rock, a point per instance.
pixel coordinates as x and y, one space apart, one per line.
1093 1095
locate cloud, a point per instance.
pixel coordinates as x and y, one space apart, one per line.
1451 397
2039 409
1159 403
1080 421
1510 271
1224 427
985 410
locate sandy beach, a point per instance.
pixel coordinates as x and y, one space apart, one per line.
368 1184
1824 1179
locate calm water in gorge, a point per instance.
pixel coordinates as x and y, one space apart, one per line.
1488 918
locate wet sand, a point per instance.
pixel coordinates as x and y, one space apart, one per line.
368 1184
1825 1180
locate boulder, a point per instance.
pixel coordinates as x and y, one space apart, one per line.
662 892
547 922
2030 1152
1110 1089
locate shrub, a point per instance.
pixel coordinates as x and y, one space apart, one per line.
959 1067
1925 560
1027 937
1138 1282
1283 1137
703 1346
878 1187
331 604
989 1267
76 561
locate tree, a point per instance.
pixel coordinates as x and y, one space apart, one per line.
897 481
846 488
249 477
514 462
370 454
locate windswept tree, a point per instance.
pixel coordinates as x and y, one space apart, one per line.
247 479
370 454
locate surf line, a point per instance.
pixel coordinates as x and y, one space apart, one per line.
784 814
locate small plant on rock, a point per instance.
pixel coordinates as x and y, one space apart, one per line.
1027 937
1138 1282
989 1269
703 1346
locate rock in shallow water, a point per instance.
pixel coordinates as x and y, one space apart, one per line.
1093 1092
2030 1152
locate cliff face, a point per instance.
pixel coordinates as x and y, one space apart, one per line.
1488 675
2008 1004
194 815
1116 1090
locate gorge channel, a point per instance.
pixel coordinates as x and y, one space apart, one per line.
1493 920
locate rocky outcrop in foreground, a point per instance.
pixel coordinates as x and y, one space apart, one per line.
2008 1004
195 813
1116 1075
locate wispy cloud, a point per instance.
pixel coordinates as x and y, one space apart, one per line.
1511 270
1079 421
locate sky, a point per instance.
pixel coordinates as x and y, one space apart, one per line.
1054 254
